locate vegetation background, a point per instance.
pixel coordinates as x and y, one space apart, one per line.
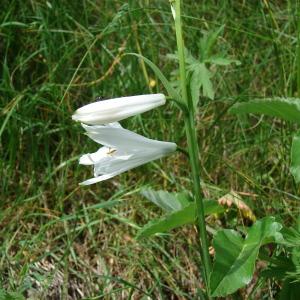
62 241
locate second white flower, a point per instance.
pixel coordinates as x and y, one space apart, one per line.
123 150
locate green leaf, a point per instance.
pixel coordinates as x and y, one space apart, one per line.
189 58
177 218
195 86
235 257
208 41
212 207
295 157
13 23
222 61
286 108
184 216
169 202
171 91
200 79
205 81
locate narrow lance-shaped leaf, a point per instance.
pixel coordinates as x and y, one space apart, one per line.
285 108
167 201
186 215
235 257
295 157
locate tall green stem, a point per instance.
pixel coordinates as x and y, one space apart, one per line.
192 145
298 51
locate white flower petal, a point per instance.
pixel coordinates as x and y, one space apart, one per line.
93 158
107 111
97 179
125 139
113 166
123 150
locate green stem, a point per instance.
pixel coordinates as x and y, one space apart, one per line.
298 52
192 147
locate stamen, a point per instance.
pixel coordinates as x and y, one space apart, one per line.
111 151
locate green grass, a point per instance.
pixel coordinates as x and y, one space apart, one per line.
57 238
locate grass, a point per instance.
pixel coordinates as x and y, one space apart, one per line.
59 240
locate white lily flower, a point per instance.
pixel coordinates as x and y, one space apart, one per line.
122 150
108 111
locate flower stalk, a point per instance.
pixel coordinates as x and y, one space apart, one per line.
192 144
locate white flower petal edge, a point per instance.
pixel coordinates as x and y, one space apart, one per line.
108 111
114 136
123 150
